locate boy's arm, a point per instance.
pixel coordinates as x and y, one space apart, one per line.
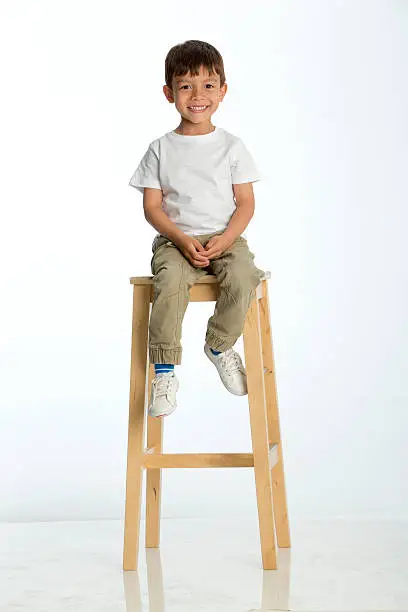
155 215
245 208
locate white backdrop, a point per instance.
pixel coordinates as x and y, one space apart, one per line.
318 92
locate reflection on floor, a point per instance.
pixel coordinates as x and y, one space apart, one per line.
206 565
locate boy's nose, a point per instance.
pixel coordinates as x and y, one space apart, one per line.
197 91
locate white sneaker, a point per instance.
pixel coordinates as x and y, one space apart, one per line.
163 394
230 369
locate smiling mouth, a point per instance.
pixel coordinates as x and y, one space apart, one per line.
197 109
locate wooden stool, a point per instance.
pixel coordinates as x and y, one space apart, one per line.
266 458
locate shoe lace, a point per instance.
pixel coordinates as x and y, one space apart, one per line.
231 361
161 383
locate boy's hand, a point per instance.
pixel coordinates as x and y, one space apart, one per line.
194 251
217 245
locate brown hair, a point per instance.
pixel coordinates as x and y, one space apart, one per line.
189 56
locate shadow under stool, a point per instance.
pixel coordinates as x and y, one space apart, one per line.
266 458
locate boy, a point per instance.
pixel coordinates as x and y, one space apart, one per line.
197 193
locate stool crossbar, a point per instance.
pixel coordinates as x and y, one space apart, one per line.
266 458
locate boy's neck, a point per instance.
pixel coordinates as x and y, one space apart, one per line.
188 128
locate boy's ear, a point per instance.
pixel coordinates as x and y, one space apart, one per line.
223 91
168 93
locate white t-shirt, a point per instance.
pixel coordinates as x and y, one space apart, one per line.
196 174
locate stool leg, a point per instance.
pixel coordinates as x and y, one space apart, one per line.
259 433
137 400
272 409
153 477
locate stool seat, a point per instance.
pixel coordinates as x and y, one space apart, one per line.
203 290
266 460
204 280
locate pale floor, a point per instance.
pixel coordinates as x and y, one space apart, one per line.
206 565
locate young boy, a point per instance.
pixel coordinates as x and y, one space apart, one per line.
197 193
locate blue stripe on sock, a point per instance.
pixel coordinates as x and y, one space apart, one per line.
163 367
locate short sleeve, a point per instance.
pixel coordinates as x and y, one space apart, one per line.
147 172
243 167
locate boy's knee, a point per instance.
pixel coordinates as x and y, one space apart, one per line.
170 279
241 279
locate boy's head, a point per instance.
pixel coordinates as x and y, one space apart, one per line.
194 73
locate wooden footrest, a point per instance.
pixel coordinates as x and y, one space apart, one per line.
153 460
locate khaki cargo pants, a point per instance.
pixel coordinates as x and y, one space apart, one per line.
174 275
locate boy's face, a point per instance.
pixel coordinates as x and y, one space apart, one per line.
199 90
